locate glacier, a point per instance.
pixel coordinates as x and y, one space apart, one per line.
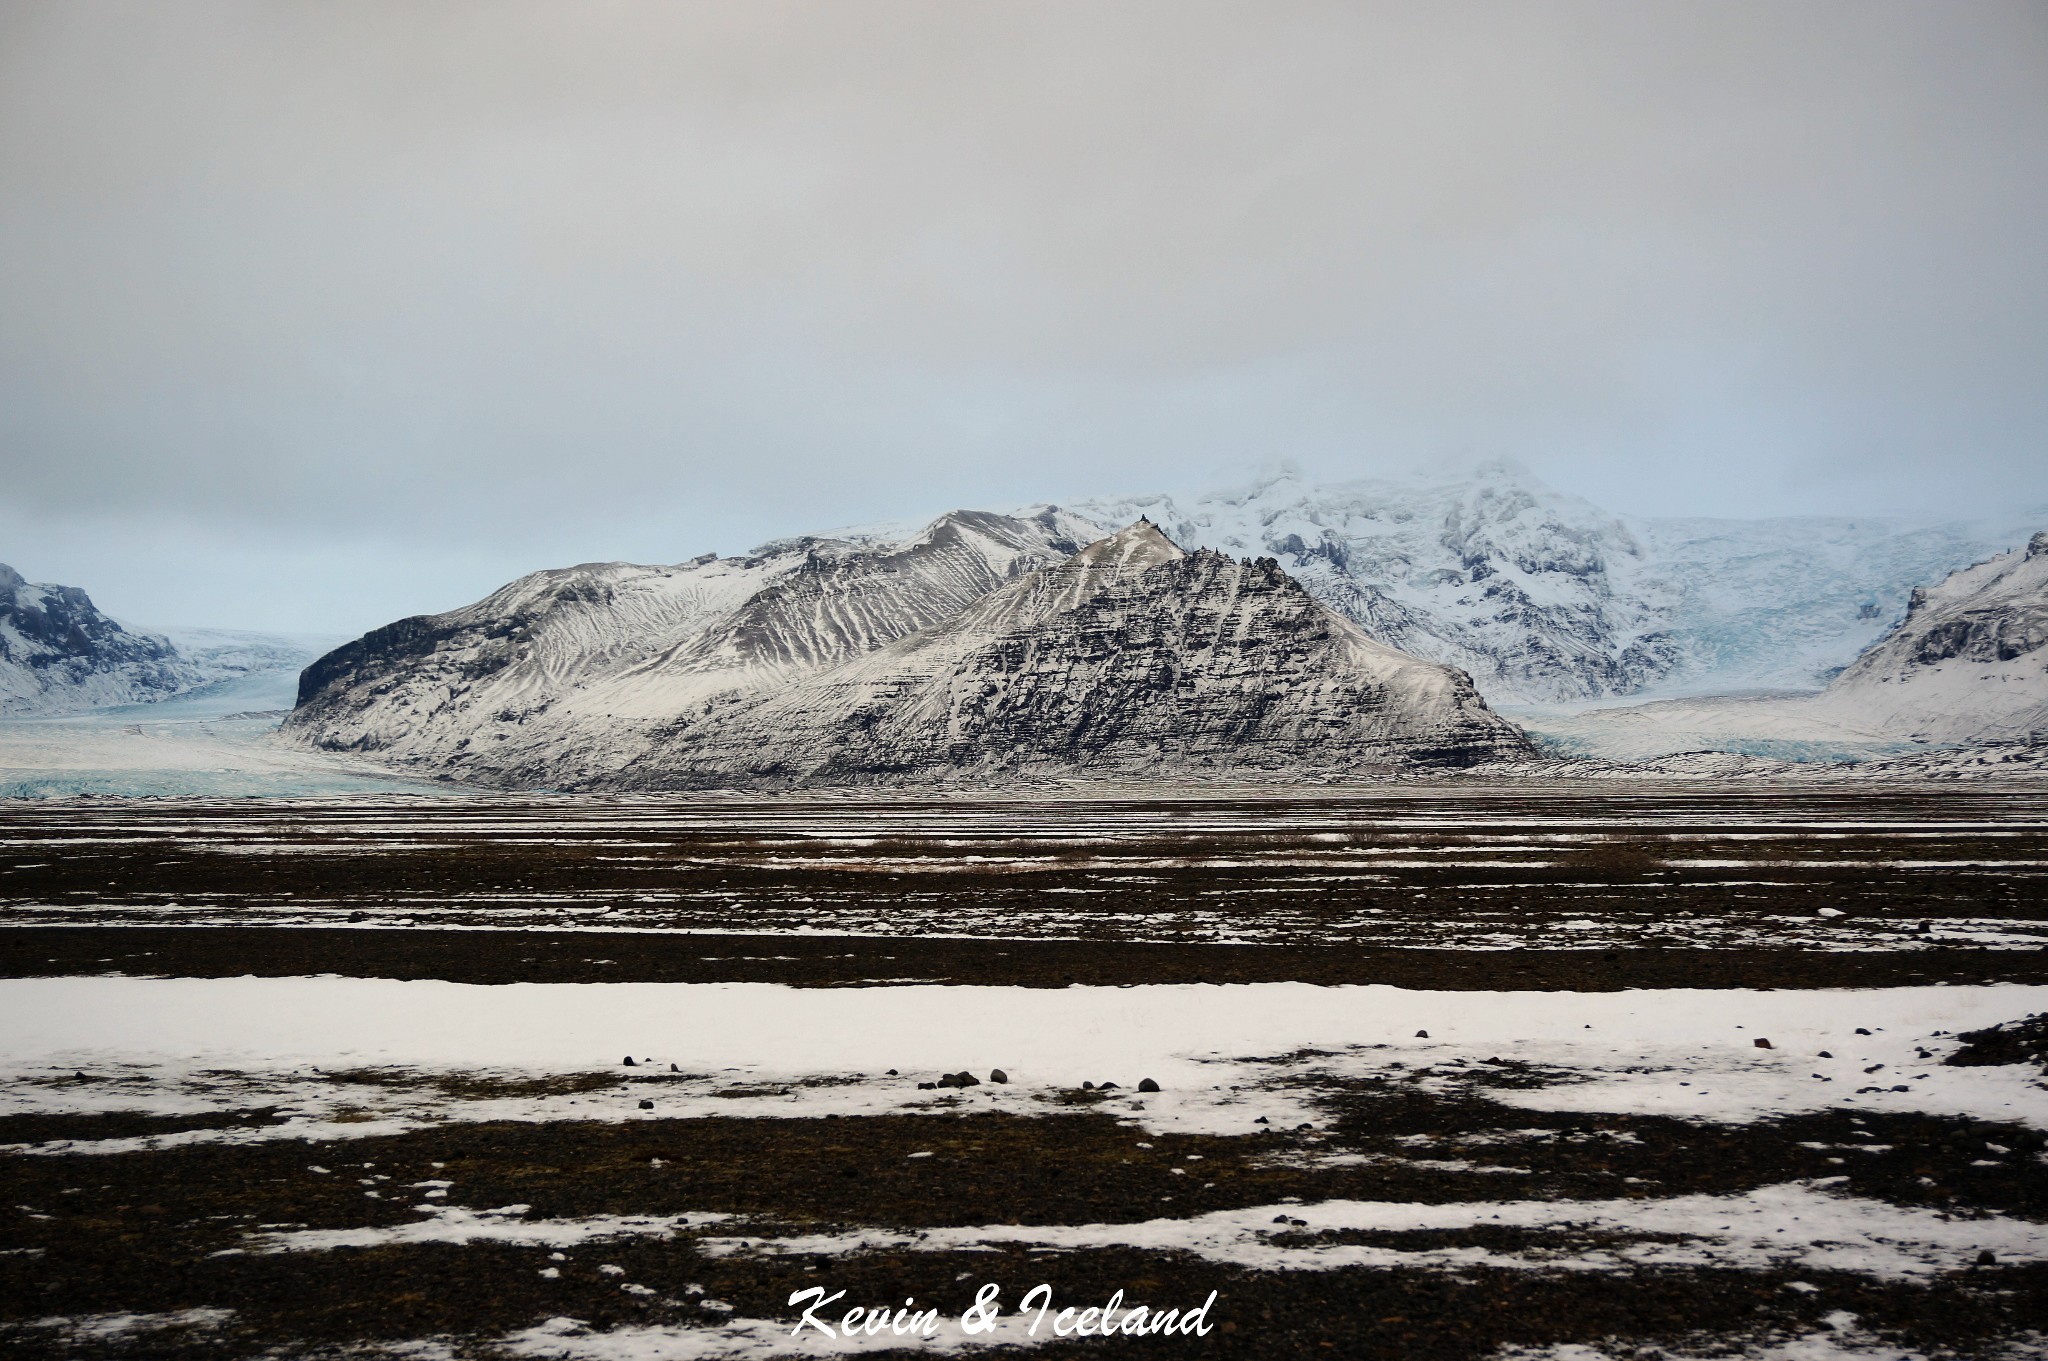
1546 598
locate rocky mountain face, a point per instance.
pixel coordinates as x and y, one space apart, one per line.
1544 597
1968 664
986 646
593 654
59 653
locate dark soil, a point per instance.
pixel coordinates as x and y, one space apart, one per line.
1483 868
142 1232
853 961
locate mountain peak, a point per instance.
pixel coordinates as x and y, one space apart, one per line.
1135 547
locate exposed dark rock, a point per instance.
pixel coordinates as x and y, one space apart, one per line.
2021 1041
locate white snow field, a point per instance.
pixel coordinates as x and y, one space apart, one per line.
1224 1054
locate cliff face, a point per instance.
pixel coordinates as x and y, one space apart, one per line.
1128 656
58 652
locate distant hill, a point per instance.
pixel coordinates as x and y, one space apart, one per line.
986 647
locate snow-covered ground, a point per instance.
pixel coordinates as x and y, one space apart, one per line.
1229 1060
182 1045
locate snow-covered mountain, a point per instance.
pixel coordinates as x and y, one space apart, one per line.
1546 597
985 645
1968 664
59 653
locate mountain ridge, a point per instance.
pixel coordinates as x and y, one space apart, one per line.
1129 653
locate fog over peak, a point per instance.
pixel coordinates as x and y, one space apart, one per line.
312 316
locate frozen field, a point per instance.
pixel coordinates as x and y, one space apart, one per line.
1540 1169
1458 1074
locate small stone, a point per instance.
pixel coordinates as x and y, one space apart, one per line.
673 1069
1825 1054
1087 1086
646 1105
1262 1120
998 1075
892 1072
1422 1034
1861 1031
1761 1042
927 1086
1148 1085
1987 1258
1106 1087
966 1079
628 1061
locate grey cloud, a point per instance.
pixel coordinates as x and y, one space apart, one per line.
530 280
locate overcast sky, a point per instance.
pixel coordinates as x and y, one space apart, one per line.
314 315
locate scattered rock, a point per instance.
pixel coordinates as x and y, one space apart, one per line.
646 1105
892 1072
1825 1054
1106 1087
927 1086
1422 1034
1861 1031
673 1069
628 1061
998 1075
1087 1086
1761 1042
2021 1041
1148 1085
1262 1120
1987 1258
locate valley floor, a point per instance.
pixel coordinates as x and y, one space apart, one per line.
1462 1072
